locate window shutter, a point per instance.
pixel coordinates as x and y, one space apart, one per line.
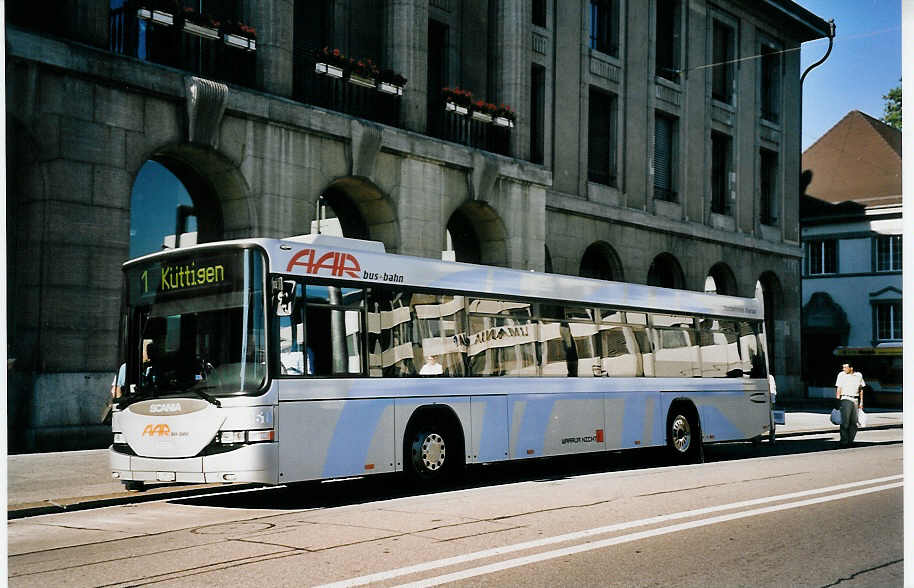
662 142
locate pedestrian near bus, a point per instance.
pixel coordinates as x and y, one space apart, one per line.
849 390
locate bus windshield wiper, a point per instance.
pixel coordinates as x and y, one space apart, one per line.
198 390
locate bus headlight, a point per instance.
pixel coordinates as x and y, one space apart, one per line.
228 437
237 437
119 439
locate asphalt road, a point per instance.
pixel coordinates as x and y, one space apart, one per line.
799 513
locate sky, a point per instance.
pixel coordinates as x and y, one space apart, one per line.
865 62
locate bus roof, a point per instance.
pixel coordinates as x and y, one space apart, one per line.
354 260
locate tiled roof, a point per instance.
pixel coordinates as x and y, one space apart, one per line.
858 160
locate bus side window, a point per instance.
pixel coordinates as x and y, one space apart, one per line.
293 356
333 322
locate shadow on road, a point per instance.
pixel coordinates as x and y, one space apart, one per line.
312 495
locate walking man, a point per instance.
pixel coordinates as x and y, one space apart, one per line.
849 390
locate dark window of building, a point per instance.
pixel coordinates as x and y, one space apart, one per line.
537 113
722 47
604 26
668 39
664 157
539 13
771 83
887 316
888 253
437 71
770 202
720 173
821 257
601 143
312 29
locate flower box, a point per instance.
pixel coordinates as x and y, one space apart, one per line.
482 116
361 81
328 70
163 18
389 88
454 107
144 14
240 42
200 31
503 122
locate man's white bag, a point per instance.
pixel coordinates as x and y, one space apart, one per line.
861 418
835 416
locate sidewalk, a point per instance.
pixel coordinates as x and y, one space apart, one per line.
42 483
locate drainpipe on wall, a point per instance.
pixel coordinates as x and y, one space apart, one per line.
831 41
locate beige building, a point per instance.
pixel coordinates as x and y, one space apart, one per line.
649 141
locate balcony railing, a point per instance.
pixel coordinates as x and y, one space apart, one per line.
334 90
165 39
455 126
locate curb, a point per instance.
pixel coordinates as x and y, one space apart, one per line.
834 430
21 511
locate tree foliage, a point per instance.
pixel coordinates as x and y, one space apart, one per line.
893 107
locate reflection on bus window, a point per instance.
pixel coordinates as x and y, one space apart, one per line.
750 349
405 328
675 355
621 354
501 346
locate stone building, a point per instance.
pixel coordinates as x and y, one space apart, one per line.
653 141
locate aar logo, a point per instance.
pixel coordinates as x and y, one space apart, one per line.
334 261
159 430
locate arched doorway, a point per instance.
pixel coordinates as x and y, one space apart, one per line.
171 206
773 299
665 272
601 262
825 327
355 208
476 234
720 280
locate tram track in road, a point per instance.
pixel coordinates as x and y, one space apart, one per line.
658 523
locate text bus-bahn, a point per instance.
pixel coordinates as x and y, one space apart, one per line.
276 361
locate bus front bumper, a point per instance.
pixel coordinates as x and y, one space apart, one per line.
250 463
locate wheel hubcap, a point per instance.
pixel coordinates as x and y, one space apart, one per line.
681 434
432 452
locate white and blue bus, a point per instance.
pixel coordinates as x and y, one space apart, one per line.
284 360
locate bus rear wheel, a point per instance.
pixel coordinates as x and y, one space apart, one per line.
683 435
433 454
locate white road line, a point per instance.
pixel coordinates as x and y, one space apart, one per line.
577 535
540 557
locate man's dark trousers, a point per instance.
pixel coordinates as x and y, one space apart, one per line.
848 421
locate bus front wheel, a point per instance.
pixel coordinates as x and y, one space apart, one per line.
684 435
433 453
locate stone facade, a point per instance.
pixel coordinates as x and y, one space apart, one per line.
82 120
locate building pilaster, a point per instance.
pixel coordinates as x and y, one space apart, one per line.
406 51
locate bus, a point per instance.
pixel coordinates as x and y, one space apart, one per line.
286 360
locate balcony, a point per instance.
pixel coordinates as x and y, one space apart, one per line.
334 89
174 40
467 129
169 39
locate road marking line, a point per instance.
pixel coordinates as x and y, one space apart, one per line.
460 559
540 557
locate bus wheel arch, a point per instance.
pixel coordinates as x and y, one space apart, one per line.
683 432
434 445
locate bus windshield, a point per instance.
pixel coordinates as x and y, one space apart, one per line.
195 323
